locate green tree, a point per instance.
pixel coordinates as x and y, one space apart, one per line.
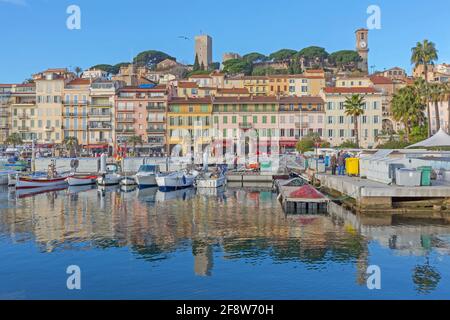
425 54
255 57
196 66
134 141
407 108
422 88
71 145
309 142
283 54
354 108
348 145
314 55
14 140
345 58
437 94
151 58
236 66
78 71
295 66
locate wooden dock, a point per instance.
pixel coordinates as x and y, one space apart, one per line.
302 200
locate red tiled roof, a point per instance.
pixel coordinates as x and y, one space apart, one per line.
26 85
380 80
200 76
181 100
314 71
302 100
350 90
79 81
186 84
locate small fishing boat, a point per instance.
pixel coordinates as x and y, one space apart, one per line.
176 180
211 180
79 180
110 177
23 182
12 177
146 175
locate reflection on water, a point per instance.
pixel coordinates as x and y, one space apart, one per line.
226 243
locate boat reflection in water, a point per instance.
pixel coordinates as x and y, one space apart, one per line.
161 245
182 194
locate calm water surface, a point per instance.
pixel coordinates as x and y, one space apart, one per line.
237 244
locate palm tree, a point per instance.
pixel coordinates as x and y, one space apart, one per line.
407 108
78 71
437 94
354 107
424 54
422 89
71 144
14 140
135 140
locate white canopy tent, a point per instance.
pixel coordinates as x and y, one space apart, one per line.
440 139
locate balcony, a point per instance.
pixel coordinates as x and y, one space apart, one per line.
125 131
49 129
4 114
156 120
100 114
23 129
124 110
101 105
4 126
76 103
156 107
245 126
156 130
74 115
99 128
125 120
23 116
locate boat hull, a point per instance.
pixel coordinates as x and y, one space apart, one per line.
29 183
211 183
109 180
81 181
146 181
174 182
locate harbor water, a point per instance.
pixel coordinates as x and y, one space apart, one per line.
234 243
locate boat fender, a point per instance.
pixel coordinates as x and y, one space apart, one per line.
184 179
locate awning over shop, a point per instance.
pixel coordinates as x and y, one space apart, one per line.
96 146
288 143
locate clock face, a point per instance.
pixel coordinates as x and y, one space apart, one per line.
362 44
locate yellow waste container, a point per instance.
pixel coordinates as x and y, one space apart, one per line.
352 166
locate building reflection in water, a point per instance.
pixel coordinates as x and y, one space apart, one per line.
245 224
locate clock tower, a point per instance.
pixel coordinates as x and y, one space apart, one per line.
362 47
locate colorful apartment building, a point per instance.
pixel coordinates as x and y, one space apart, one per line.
141 111
23 113
75 110
101 114
189 124
5 113
49 91
340 127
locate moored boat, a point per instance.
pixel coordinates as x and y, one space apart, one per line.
176 180
110 177
23 182
211 180
78 180
146 176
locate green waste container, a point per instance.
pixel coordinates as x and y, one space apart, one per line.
426 176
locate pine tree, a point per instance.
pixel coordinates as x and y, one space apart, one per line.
196 64
202 66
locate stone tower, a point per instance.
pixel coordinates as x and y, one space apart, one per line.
362 47
203 49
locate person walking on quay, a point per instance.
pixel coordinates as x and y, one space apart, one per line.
341 164
333 164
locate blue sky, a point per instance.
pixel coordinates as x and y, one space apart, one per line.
35 37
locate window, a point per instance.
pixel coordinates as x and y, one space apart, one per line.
376 119
364 119
341 105
330 106
330 133
341 119
216 119
234 119
225 120
330 120
255 119
342 133
264 119
273 120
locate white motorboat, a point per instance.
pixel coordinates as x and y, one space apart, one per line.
176 180
211 180
4 176
78 180
146 175
110 177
